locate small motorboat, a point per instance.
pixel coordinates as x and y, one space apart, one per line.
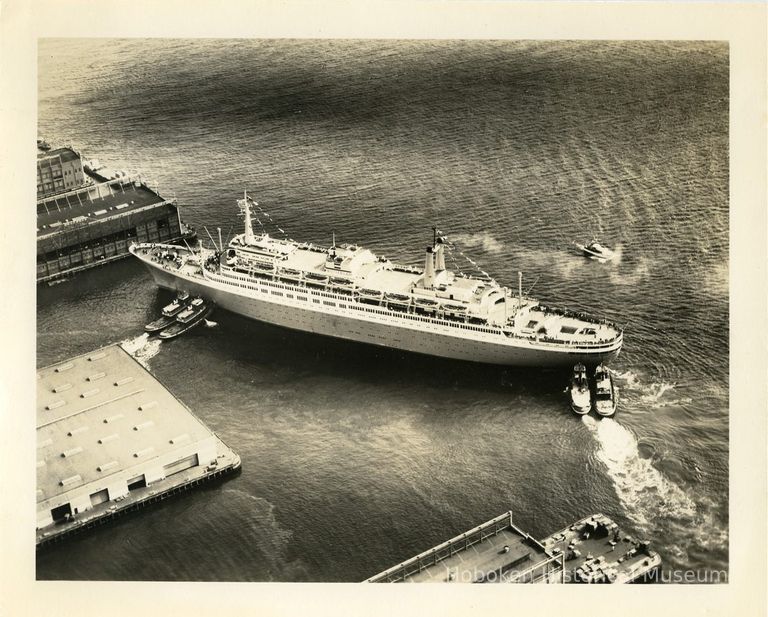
595 250
43 145
169 313
606 395
197 311
581 398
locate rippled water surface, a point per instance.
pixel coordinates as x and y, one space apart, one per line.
355 458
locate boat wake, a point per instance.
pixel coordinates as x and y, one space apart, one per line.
652 395
142 348
642 489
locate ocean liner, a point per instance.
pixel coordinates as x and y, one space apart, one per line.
347 292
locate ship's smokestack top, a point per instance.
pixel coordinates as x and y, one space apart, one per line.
429 268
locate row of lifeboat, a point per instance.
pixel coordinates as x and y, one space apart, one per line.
318 278
181 315
601 395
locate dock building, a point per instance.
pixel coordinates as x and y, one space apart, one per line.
110 436
88 215
58 170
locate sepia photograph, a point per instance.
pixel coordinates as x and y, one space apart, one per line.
405 287
387 309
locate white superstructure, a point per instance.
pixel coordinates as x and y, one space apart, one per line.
347 292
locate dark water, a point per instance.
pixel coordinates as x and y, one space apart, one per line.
356 458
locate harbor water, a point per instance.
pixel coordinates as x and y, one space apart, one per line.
356 458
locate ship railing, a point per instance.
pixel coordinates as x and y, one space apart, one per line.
226 274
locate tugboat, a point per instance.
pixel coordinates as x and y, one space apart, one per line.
581 401
191 316
595 250
606 396
169 313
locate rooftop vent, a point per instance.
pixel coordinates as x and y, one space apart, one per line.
109 438
71 452
63 367
70 480
143 425
145 406
106 466
89 393
143 452
76 431
123 381
55 404
97 356
114 418
62 387
95 376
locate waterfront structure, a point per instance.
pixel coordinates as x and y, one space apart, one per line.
93 222
59 170
592 550
347 292
109 435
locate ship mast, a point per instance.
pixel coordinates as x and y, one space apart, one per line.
249 239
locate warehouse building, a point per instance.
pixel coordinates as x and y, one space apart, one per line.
106 429
58 170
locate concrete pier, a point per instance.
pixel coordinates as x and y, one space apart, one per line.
111 439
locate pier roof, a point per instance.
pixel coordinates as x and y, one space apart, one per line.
92 202
101 413
481 554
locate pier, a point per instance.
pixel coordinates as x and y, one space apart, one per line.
592 550
86 219
112 439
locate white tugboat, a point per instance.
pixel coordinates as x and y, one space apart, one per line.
346 291
581 397
606 396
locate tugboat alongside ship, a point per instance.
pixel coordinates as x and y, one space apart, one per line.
181 315
606 395
346 291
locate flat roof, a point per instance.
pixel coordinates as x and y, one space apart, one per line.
123 198
101 413
493 548
66 154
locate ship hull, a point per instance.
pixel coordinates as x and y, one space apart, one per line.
373 331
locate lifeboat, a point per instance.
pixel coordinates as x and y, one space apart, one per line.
341 282
397 298
290 273
370 293
263 267
316 277
454 308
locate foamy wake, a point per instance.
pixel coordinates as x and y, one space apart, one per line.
142 348
654 395
642 489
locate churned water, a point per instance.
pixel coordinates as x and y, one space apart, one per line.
355 458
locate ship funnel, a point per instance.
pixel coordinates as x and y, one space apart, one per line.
429 268
439 256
